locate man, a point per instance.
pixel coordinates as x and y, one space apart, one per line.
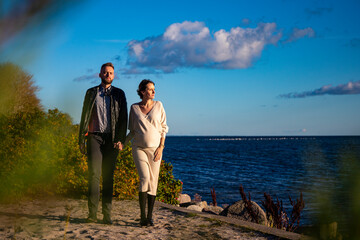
103 125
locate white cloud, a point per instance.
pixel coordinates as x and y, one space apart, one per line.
190 44
342 89
300 33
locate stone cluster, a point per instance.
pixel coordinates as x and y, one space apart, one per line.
237 210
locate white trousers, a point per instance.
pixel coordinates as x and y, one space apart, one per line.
147 169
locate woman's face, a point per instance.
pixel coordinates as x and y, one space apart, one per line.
149 92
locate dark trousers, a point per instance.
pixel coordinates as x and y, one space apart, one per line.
101 160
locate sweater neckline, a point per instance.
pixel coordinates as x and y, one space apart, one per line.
149 111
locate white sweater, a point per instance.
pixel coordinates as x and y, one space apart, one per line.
147 129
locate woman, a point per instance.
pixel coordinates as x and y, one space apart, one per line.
147 125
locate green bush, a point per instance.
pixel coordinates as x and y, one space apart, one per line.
126 178
39 153
72 170
169 188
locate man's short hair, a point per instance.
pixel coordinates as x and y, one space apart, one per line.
108 64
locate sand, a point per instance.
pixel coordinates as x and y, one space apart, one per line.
65 219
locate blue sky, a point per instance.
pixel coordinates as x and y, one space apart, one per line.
243 68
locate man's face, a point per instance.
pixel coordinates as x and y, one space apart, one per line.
107 75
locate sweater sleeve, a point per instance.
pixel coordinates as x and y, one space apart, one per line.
164 126
131 134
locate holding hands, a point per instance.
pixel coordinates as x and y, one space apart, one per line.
118 145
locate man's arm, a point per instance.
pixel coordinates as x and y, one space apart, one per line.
121 123
82 126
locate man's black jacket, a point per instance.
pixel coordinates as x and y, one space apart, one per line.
118 114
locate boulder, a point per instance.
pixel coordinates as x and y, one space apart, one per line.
202 204
213 210
238 210
184 198
195 208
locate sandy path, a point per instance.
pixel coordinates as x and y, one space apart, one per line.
65 219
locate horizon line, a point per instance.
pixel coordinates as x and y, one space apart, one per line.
339 135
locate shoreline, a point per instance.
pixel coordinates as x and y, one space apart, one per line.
65 218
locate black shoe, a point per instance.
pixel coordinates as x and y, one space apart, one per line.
107 220
143 222
150 222
91 220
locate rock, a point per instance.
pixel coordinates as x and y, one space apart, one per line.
184 198
195 208
238 210
225 211
202 204
213 210
225 205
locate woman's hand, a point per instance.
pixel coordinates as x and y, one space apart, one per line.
158 153
118 146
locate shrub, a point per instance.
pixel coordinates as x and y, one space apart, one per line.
126 178
40 155
17 90
168 188
72 177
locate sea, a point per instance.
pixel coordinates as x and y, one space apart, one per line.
316 167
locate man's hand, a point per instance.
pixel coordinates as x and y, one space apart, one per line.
118 145
82 148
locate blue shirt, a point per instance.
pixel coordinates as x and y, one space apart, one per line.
101 117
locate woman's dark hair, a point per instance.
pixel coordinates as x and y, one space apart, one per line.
142 86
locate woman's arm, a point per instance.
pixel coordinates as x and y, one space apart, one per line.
159 150
164 130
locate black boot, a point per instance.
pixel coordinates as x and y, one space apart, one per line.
151 201
142 202
92 216
107 219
